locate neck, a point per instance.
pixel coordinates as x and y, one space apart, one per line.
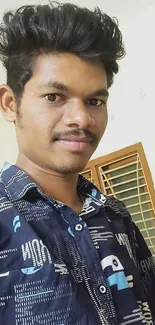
59 186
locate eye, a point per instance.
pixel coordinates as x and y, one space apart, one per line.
96 102
53 97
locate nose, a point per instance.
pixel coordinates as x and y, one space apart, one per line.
77 114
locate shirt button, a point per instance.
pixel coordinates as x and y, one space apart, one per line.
102 289
79 227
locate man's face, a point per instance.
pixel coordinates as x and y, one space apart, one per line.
63 112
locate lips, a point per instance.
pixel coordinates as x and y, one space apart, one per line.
76 139
75 143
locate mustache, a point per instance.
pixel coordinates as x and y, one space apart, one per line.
76 132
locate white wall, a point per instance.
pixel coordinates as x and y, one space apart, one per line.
131 104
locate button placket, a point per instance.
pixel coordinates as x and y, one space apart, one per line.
102 289
79 227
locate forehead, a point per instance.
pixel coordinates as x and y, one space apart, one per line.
68 69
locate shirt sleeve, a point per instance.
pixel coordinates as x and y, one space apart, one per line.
142 256
146 266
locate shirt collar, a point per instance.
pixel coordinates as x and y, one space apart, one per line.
90 192
17 183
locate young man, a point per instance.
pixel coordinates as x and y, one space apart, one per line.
61 257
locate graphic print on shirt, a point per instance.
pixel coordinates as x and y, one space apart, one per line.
5 167
41 294
135 317
146 312
91 202
16 223
145 266
117 277
124 240
99 234
33 297
31 270
36 251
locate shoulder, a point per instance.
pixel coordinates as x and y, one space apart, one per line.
118 206
5 202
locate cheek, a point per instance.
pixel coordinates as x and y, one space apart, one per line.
39 120
101 121
106 117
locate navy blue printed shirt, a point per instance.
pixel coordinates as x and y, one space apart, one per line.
60 268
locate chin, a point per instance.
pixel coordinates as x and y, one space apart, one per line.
70 168
66 164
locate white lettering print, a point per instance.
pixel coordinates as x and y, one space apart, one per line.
36 251
98 234
148 264
102 199
146 312
61 268
130 280
87 208
124 240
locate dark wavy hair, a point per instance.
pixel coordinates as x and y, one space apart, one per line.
33 30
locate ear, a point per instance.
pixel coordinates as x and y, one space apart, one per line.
7 103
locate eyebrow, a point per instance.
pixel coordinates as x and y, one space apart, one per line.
61 86
55 84
100 92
